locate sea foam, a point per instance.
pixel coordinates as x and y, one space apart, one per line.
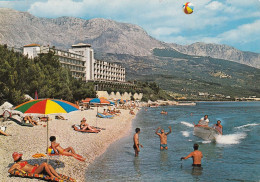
230 139
187 124
247 125
185 133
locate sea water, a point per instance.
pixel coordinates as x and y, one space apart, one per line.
235 156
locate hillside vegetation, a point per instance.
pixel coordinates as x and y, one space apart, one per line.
20 75
188 75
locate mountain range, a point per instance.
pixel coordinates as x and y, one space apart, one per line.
184 69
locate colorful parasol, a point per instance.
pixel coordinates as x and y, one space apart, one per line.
46 106
99 101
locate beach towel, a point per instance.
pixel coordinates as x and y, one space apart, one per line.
104 116
41 176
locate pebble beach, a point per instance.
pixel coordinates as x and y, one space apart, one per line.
32 140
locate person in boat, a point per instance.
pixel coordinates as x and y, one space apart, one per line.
24 166
137 145
196 156
57 149
163 137
218 127
204 121
84 126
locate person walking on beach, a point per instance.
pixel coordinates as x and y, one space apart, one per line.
196 156
136 142
163 137
204 121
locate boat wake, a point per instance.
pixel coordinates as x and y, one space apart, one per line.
185 133
230 139
247 125
187 124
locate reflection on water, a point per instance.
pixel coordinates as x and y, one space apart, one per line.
137 166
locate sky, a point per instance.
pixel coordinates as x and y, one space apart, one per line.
232 22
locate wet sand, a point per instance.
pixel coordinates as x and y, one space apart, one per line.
30 140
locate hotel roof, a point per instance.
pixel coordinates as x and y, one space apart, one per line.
81 45
32 45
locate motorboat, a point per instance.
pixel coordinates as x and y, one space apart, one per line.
206 132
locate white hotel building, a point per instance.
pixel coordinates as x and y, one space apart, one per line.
80 61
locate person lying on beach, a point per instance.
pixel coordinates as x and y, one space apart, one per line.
2 131
57 149
60 117
24 166
131 112
84 126
29 119
218 127
136 142
44 119
196 156
163 137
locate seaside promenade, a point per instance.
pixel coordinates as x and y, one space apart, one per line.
31 140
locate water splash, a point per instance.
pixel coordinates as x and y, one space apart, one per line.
230 139
206 141
187 124
247 125
185 133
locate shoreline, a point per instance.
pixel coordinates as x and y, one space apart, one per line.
89 145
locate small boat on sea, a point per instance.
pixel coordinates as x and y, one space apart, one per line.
205 132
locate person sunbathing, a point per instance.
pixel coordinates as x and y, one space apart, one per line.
57 149
132 112
4 133
105 112
24 166
29 119
60 117
84 126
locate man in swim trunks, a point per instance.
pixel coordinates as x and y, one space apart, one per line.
68 151
204 121
196 156
163 137
136 142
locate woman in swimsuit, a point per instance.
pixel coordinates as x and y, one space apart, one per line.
85 126
23 167
68 151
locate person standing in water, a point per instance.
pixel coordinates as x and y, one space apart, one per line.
163 137
196 156
136 142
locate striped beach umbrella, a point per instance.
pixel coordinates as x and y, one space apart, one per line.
99 101
46 106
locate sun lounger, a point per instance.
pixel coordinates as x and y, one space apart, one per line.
104 116
41 176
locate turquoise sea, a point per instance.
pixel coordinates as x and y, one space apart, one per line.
233 157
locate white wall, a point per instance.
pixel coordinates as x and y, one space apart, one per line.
125 96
